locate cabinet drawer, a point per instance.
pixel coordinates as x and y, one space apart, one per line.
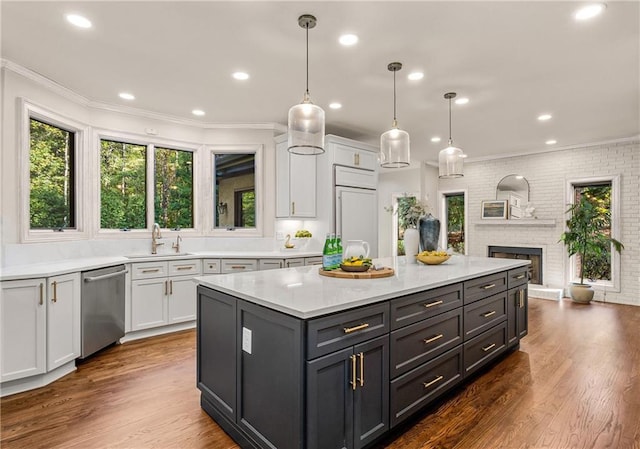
484 286
212 266
417 388
414 345
483 314
484 348
239 265
185 267
147 270
295 262
418 306
313 260
517 276
270 264
355 157
335 332
355 177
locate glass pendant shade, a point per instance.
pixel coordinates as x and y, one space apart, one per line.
306 128
450 162
394 148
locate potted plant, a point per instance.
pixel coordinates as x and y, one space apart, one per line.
585 236
409 211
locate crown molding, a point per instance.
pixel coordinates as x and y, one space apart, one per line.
70 95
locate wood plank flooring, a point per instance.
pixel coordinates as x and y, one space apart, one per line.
574 383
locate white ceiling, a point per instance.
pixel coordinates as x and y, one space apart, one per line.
514 60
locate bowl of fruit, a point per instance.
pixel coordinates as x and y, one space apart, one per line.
433 257
356 264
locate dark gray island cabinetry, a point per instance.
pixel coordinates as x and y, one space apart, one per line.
291 359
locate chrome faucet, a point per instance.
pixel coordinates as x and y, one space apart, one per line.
155 235
176 245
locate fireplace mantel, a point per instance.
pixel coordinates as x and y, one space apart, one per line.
518 222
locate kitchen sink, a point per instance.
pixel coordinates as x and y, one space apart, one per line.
154 256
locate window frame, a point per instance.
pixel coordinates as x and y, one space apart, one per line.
150 143
570 262
30 110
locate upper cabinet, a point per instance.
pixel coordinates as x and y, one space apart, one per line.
357 155
295 183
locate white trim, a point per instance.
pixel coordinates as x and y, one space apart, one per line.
569 263
442 206
29 110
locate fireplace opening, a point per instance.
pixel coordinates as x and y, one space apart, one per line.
516 252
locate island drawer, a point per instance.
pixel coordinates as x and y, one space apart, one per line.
517 276
481 315
239 265
418 306
418 387
484 348
185 267
212 266
418 343
335 332
484 286
147 270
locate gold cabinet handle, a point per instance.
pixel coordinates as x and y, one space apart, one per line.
155 270
431 304
520 276
488 286
185 267
493 312
434 381
166 287
492 345
353 372
361 379
238 267
54 284
171 287
521 299
41 293
348 330
293 208
434 338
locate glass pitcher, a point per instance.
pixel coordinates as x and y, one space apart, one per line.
356 248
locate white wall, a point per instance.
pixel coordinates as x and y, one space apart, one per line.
547 174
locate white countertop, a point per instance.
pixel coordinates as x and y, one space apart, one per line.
304 293
64 266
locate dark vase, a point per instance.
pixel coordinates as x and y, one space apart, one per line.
429 227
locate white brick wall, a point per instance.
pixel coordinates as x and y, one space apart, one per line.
547 174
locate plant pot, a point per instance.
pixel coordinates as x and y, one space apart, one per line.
582 293
411 242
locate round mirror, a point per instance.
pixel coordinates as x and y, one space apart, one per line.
514 189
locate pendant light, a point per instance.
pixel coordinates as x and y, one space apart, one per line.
394 144
450 159
306 120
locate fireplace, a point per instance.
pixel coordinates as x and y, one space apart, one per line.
517 252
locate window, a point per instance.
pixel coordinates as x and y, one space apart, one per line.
122 185
173 198
52 200
454 207
234 190
245 206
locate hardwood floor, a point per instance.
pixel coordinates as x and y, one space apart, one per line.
574 383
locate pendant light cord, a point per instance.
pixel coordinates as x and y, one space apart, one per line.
307 28
394 97
450 141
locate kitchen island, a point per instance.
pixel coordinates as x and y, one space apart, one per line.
291 359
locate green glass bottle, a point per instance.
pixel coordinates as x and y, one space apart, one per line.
326 253
338 254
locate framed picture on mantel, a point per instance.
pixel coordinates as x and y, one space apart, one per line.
495 210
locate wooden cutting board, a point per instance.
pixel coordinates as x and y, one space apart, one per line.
371 274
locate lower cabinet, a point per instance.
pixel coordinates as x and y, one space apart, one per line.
517 315
347 396
63 319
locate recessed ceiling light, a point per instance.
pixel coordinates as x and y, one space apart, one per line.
240 76
551 142
198 112
462 100
435 139
79 21
589 11
544 117
414 76
335 105
348 39
126 96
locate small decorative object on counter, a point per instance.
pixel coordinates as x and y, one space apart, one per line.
327 263
287 243
411 242
303 234
429 233
338 252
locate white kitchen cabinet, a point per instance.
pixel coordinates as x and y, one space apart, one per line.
356 216
352 156
270 264
23 329
295 183
63 319
313 261
163 293
239 265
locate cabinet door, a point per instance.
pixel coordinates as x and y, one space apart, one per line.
330 386
371 397
270 264
357 216
182 299
513 299
149 303
302 185
297 262
523 312
63 319
23 328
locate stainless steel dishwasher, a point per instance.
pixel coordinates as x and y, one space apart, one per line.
102 306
